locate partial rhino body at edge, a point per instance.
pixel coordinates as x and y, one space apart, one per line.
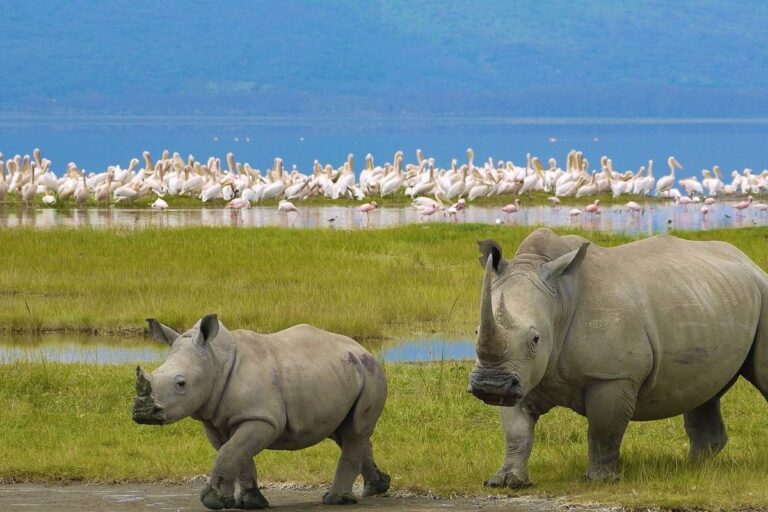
643 331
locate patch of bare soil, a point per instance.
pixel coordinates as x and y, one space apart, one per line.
146 497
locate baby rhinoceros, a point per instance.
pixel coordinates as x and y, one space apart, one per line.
282 391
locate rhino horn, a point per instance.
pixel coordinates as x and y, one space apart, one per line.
143 386
487 332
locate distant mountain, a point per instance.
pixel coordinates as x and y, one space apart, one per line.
385 57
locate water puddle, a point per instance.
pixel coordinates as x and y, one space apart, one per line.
656 217
69 348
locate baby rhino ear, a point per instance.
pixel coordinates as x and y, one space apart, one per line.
162 332
209 328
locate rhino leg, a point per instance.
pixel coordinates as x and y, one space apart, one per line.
234 460
609 406
706 430
518 424
353 451
250 496
755 368
375 480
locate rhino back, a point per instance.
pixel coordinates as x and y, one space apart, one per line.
678 317
302 379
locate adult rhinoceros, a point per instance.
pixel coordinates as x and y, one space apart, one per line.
644 331
281 391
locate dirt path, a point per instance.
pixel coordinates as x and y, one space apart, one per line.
184 497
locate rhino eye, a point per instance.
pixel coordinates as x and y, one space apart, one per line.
180 384
536 338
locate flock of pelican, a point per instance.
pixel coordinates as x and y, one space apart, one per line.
452 188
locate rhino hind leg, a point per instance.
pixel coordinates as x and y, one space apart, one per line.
706 430
755 368
375 481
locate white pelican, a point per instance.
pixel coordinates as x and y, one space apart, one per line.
3 184
666 182
159 204
286 206
49 200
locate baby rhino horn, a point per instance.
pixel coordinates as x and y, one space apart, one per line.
143 386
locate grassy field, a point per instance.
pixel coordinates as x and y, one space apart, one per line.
367 284
397 282
63 422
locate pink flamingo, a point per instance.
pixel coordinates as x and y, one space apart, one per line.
709 201
367 208
762 207
704 212
634 207
554 202
428 211
593 208
743 205
511 208
455 208
684 200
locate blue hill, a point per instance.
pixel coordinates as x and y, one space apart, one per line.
384 57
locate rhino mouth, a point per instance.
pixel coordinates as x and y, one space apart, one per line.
495 387
147 412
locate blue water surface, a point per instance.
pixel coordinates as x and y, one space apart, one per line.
95 143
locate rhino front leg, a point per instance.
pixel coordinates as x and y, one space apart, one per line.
609 406
234 460
250 496
518 424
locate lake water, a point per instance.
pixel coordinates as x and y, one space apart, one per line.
95 143
72 348
657 217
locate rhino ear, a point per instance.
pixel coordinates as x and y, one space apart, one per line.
566 264
489 248
209 328
162 332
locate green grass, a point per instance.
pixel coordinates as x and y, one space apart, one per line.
366 284
396 200
64 422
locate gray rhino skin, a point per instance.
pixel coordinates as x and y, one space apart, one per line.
282 391
644 331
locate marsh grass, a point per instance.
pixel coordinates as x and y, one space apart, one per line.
65 422
395 200
366 284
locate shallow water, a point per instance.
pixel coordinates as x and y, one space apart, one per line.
70 348
94 143
656 218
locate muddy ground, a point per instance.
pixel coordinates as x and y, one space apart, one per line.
78 497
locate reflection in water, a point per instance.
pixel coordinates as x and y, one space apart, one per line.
656 218
116 350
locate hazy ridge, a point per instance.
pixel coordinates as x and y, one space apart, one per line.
385 57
